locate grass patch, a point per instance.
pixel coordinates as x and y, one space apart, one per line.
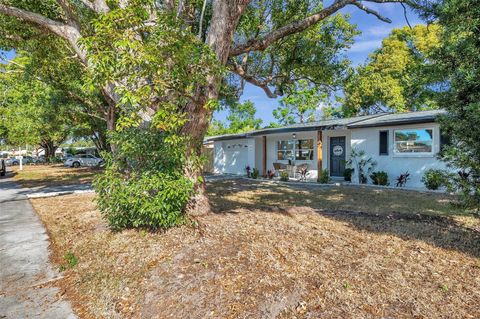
53 175
277 252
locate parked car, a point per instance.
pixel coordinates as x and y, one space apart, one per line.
12 161
83 160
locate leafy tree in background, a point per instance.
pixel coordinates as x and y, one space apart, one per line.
300 105
459 59
241 118
166 61
32 112
398 77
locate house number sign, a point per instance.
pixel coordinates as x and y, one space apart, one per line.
337 150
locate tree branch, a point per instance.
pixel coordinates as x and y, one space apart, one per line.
65 31
238 69
361 6
98 6
301 25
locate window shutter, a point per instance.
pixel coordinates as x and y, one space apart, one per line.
383 142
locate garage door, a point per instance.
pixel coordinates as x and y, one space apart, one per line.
236 158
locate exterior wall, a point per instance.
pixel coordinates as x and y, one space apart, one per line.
395 164
229 161
366 139
272 151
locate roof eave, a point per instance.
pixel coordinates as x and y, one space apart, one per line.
394 122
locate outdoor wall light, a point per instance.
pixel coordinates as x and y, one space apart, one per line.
294 136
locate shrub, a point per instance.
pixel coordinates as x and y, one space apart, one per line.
362 165
402 179
284 176
153 199
435 178
347 174
255 173
323 176
380 178
143 184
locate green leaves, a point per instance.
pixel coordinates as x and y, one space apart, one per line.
399 76
300 105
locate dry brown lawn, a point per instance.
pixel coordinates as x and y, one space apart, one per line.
53 175
271 251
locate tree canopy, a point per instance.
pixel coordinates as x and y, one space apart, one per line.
241 118
458 58
399 76
300 105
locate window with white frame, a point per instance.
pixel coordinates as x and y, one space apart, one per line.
413 141
295 150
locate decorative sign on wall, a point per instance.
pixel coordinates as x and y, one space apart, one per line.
337 150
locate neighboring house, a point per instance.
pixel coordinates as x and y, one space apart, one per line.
397 142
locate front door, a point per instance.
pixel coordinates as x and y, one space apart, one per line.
337 155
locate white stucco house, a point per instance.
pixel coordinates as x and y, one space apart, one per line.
397 142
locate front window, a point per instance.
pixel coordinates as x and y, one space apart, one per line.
414 141
295 150
285 150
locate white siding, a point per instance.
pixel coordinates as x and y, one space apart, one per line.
395 164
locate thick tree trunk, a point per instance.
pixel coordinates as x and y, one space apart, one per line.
49 147
226 15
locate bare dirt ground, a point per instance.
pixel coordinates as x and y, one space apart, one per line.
273 251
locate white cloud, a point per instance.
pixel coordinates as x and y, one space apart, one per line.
380 31
364 46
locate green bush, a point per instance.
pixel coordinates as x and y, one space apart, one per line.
284 176
143 184
380 178
435 178
323 176
255 173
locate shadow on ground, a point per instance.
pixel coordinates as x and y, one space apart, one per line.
408 215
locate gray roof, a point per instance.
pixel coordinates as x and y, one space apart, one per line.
375 120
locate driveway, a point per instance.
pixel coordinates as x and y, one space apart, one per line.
26 276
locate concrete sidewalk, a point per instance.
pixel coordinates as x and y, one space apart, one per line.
24 264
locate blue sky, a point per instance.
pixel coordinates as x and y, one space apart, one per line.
373 31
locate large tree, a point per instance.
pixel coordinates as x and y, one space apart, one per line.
167 60
399 76
459 59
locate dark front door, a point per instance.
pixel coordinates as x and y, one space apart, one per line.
337 155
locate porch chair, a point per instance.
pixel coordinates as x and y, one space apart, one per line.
279 167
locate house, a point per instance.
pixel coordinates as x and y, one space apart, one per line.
398 142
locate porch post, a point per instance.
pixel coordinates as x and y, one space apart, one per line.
264 155
319 152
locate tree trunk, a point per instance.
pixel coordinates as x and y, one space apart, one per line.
49 147
226 15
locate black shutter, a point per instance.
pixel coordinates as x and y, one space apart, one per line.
383 142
